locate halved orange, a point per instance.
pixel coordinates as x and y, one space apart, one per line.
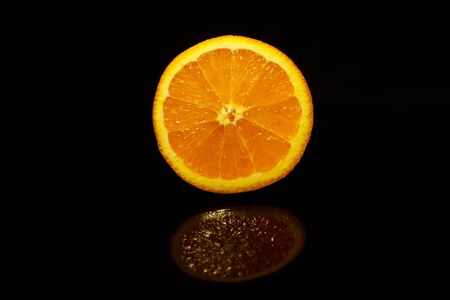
232 114
237 243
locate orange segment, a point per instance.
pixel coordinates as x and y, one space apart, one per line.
236 160
265 148
246 68
281 118
189 84
232 114
216 67
185 140
272 86
200 148
180 114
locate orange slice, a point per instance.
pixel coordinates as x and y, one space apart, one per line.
237 244
232 114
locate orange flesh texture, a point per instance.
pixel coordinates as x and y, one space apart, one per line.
222 82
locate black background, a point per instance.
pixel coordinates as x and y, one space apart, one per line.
367 188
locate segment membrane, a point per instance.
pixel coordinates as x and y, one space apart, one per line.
216 67
266 148
179 115
200 148
190 85
281 118
236 161
272 86
246 68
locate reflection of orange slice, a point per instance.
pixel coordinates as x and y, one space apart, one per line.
232 114
237 244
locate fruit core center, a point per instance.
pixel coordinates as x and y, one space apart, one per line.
229 114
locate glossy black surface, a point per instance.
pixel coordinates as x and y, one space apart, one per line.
363 188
